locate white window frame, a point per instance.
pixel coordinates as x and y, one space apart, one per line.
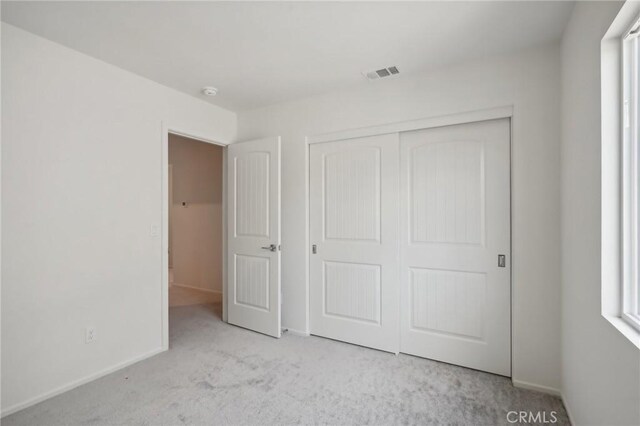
630 161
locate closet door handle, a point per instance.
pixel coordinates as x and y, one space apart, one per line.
271 247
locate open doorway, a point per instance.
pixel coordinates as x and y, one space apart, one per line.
249 256
195 225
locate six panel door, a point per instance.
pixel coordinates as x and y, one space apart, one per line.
354 229
455 222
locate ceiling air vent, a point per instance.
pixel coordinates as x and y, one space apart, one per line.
381 73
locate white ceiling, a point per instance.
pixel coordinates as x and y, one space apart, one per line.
260 53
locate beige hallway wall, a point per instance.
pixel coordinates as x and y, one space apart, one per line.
196 229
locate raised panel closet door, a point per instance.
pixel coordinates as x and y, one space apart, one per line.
455 223
354 228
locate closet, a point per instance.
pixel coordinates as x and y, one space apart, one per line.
410 235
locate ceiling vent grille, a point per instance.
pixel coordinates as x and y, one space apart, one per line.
381 73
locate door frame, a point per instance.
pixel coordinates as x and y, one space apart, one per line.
170 192
170 128
466 117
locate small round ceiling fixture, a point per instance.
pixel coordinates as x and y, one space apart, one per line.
209 91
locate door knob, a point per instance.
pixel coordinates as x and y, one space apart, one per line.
271 247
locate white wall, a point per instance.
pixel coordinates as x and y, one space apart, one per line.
197 228
531 82
0 220
600 367
81 187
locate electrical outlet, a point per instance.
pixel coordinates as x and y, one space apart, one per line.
90 335
154 231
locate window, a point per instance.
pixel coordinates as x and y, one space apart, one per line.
630 173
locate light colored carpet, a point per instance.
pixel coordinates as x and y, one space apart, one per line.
217 374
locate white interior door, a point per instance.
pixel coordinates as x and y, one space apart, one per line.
354 228
253 290
455 222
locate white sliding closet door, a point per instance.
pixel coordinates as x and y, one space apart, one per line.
455 221
354 228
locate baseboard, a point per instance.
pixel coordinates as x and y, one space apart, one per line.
297 332
197 288
74 384
535 387
566 408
